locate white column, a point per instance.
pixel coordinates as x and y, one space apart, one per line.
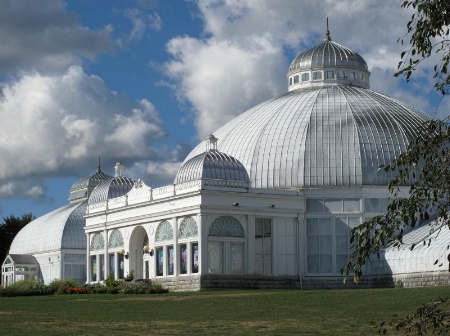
88 258
250 255
274 246
176 264
106 254
202 244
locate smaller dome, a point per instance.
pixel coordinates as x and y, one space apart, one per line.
82 188
326 64
212 164
113 187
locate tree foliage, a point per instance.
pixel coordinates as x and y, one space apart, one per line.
428 33
8 229
425 167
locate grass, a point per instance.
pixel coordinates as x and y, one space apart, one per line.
258 312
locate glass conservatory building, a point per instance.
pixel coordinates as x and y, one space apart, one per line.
268 200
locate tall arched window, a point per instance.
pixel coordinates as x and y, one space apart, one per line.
188 246
115 258
164 249
97 257
226 239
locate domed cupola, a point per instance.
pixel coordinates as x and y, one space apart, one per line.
212 164
326 64
113 187
81 190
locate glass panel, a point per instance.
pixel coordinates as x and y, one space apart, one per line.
325 244
325 263
146 269
325 226
159 261
170 260
93 268
317 75
372 205
194 257
314 205
340 226
313 263
102 267
226 226
263 245
333 205
353 222
188 228
183 258
312 245
164 231
215 256
116 239
305 77
351 205
342 244
341 261
312 226
237 258
121 259
329 74
296 79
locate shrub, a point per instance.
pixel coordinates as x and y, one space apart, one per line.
26 288
111 282
57 283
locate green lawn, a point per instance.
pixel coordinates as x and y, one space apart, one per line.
258 312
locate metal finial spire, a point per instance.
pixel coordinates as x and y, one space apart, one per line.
98 166
327 37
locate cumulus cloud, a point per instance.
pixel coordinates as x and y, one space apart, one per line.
55 123
247 46
42 35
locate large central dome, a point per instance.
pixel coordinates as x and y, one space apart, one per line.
330 129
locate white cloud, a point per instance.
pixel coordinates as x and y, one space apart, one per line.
53 124
247 46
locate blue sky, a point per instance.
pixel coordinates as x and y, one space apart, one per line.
143 81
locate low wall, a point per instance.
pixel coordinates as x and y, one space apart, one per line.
215 281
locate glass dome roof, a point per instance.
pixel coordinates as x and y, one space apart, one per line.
329 135
328 63
83 188
113 187
61 228
212 164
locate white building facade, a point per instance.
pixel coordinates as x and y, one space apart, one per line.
268 200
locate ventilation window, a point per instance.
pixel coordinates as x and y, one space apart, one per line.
305 77
296 79
329 74
342 75
317 75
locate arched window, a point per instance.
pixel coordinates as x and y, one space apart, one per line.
317 75
97 243
115 258
164 231
226 239
226 226
188 228
188 246
296 79
97 257
115 239
305 77
165 259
